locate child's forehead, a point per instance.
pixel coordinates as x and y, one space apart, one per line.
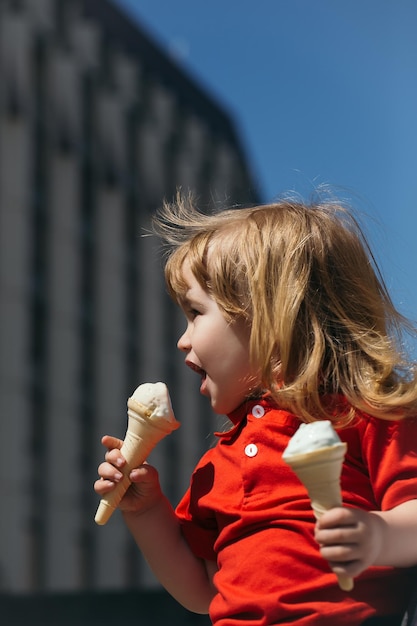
192 295
187 277
184 279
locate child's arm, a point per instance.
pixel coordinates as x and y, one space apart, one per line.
156 530
352 540
158 536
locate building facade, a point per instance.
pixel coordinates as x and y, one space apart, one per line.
97 127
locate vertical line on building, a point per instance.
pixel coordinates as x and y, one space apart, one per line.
132 569
39 321
87 330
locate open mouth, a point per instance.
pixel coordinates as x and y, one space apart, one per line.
202 373
198 370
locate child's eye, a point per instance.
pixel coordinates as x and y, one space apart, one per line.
190 310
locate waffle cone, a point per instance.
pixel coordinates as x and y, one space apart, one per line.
319 471
142 435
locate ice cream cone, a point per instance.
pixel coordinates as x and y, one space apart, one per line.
319 471
144 431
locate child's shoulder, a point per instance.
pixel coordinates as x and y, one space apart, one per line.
370 432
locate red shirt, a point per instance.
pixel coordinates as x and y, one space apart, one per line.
247 510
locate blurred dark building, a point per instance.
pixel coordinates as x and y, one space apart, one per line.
97 126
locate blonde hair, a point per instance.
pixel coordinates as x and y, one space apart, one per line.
322 321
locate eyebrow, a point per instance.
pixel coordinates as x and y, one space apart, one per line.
190 299
185 299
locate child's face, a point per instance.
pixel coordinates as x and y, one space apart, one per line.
217 349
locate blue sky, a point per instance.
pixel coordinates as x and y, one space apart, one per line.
322 92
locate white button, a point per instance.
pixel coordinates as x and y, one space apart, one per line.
251 449
258 411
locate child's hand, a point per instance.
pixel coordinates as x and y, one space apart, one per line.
350 539
145 490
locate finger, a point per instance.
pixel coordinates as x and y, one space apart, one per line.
143 473
350 568
335 536
337 516
340 554
107 471
102 486
110 442
115 458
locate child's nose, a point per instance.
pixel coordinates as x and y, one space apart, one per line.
183 343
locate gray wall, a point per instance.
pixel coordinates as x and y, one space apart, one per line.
97 126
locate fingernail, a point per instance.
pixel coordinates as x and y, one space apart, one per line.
119 462
118 476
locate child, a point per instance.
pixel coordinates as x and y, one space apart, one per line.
288 321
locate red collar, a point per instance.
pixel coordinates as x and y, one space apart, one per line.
337 404
239 415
